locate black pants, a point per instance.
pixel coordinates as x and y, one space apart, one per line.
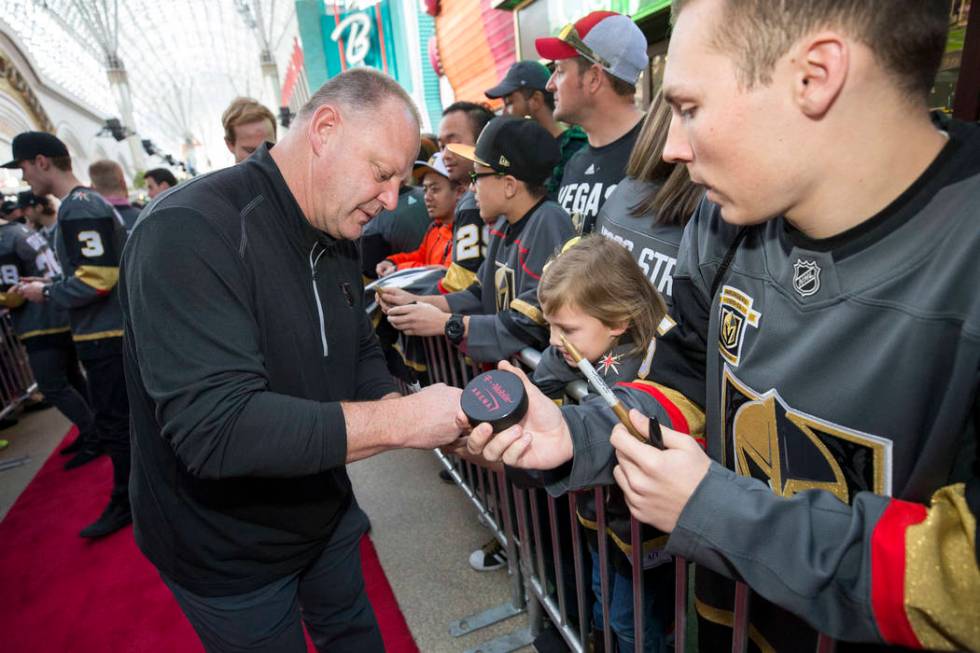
59 378
328 596
103 364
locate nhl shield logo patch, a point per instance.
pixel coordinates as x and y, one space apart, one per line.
806 277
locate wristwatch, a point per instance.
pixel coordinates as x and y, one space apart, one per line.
455 328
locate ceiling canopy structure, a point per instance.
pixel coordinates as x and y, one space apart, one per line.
171 66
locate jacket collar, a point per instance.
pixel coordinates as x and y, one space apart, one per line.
289 214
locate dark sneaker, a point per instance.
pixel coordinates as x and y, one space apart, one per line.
76 445
446 477
114 517
489 557
35 406
86 455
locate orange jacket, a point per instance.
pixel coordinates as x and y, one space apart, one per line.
436 249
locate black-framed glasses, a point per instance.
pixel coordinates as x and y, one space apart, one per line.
477 175
569 35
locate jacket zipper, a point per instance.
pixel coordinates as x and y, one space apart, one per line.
316 295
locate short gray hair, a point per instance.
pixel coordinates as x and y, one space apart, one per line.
360 89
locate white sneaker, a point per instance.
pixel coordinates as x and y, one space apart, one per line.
489 557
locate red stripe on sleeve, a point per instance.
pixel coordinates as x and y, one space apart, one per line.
677 420
888 572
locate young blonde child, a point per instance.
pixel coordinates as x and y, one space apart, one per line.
596 296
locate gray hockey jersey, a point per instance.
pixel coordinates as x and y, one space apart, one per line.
839 379
503 303
90 239
653 246
25 253
471 236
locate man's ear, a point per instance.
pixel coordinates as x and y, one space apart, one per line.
323 126
535 102
593 79
820 71
511 185
230 146
42 162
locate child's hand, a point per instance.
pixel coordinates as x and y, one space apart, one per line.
384 267
539 441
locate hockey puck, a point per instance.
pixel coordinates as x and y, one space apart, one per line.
496 397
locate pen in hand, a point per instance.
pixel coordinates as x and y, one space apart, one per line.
613 402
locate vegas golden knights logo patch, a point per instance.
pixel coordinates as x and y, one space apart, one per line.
503 281
736 315
792 451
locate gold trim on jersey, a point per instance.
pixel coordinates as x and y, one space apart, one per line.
658 542
44 332
942 582
458 278
11 300
415 365
528 310
666 324
760 446
85 337
727 618
101 277
736 312
690 410
504 283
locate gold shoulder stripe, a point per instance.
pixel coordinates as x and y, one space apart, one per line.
942 581
85 337
688 409
530 311
458 278
101 277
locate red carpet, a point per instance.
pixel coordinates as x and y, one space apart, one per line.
63 593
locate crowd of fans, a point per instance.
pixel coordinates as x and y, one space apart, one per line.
561 218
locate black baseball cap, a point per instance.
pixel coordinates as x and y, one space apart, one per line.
28 145
523 74
519 147
26 198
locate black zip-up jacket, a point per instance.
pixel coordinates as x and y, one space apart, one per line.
245 328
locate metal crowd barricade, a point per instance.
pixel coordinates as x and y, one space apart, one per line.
539 577
16 379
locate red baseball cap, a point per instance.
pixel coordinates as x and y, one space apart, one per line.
554 49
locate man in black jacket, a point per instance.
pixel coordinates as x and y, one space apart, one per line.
254 376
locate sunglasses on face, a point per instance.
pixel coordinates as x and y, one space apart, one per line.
477 175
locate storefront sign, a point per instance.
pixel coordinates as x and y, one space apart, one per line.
358 33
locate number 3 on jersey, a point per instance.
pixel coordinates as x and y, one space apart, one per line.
93 243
